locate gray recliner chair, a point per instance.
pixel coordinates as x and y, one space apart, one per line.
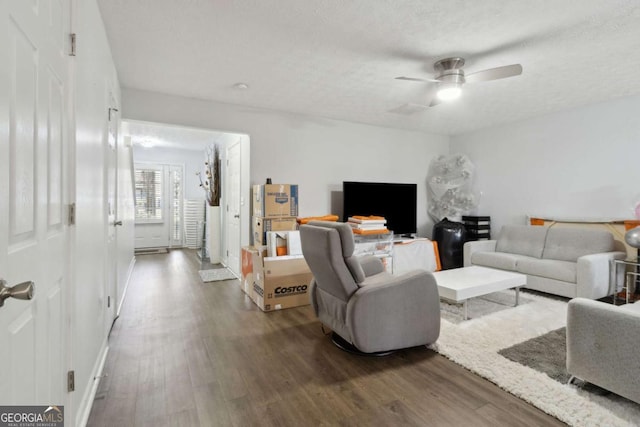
371 310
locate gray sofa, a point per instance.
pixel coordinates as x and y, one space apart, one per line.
602 345
570 262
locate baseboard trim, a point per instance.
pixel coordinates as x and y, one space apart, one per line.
126 286
84 409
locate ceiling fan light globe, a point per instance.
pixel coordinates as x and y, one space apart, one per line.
449 93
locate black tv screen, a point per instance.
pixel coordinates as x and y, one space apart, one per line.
396 202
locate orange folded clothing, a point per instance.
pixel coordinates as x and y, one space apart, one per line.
368 218
329 217
375 231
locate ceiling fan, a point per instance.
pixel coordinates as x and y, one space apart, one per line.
450 78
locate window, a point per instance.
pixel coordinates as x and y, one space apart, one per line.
148 195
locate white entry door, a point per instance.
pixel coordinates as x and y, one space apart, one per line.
233 208
33 195
152 206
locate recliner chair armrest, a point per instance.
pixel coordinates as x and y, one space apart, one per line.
371 265
477 246
393 312
594 275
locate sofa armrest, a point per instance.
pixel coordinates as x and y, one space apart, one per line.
477 246
395 312
595 275
371 265
602 342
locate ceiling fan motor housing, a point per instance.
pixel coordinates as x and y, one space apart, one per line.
450 71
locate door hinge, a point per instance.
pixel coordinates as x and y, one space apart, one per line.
108 301
71 381
73 44
72 214
227 254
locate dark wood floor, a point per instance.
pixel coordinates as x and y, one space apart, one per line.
186 353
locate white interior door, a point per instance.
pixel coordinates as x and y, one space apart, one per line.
233 208
33 194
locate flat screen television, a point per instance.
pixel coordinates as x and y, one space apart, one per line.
396 202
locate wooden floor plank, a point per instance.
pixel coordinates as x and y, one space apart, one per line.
188 353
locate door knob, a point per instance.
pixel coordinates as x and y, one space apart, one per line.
117 223
22 290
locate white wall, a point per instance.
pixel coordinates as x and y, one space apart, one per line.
318 154
94 76
583 162
192 160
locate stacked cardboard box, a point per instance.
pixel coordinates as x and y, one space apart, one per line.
276 282
275 208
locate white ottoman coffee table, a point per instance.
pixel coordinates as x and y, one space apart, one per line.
460 284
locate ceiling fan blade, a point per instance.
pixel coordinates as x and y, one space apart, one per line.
409 109
494 73
414 79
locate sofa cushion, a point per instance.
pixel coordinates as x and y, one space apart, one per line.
564 271
569 244
522 240
501 260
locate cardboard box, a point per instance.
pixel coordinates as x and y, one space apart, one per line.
262 225
280 282
246 282
275 200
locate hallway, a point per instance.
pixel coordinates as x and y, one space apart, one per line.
187 353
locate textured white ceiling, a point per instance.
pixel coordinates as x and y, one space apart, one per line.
338 59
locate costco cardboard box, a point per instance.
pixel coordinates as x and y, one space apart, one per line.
275 200
262 225
280 282
246 283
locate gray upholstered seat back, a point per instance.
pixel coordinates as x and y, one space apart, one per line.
522 240
328 249
569 244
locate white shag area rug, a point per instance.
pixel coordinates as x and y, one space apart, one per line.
216 274
474 344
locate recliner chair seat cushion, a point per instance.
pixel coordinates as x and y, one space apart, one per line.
635 307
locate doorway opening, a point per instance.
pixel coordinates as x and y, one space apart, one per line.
171 208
